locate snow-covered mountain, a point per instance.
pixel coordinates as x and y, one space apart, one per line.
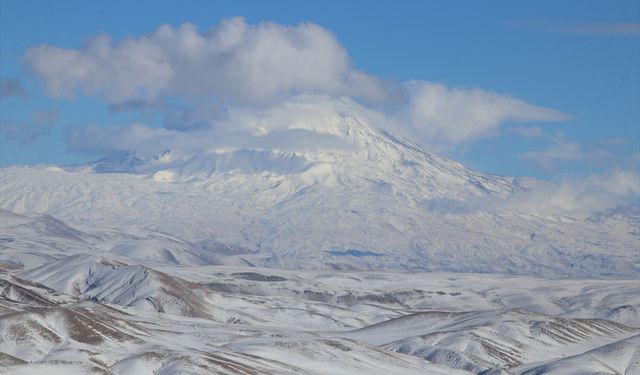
373 200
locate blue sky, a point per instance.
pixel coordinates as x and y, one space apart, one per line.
579 58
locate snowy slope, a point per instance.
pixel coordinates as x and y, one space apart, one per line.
101 279
620 357
26 241
33 240
270 321
480 341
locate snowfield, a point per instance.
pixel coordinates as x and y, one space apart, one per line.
373 258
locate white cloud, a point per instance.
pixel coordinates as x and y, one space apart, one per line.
99 140
527 132
131 70
320 114
303 123
231 61
449 116
615 191
231 72
575 195
563 151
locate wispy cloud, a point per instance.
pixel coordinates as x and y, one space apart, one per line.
45 117
613 142
584 195
11 88
18 131
604 29
563 151
609 191
435 115
25 132
297 125
527 132
452 115
600 29
135 105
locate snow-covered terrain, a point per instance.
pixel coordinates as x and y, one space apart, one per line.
371 257
89 314
376 202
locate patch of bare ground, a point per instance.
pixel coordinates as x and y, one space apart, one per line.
184 291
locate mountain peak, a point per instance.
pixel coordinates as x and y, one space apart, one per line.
373 154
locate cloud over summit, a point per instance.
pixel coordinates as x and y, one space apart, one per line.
236 67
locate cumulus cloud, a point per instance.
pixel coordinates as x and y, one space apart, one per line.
236 69
11 88
231 61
